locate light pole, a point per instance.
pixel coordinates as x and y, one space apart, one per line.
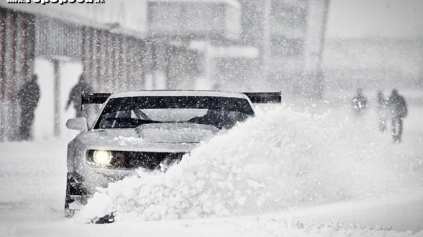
319 75
266 41
56 66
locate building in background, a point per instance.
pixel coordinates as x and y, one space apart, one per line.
210 27
244 45
290 36
120 45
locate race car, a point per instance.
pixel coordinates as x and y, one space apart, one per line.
147 130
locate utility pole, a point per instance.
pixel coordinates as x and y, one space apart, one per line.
56 66
323 32
319 75
266 40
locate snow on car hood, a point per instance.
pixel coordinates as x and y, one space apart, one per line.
149 133
175 132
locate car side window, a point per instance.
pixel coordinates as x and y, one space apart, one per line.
106 121
139 114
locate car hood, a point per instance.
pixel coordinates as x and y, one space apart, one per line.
175 132
156 133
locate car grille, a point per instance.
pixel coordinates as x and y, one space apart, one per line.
137 159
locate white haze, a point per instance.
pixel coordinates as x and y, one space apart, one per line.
291 171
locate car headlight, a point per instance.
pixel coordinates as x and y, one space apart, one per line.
102 158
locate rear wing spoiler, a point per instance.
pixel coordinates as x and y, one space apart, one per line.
255 97
94 98
264 97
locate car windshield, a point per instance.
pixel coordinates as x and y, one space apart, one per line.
131 112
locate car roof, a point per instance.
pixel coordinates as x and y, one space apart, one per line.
205 93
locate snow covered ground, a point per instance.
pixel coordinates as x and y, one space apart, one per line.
294 170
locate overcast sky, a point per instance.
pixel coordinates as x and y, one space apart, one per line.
375 18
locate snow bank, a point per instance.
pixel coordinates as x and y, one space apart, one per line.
279 160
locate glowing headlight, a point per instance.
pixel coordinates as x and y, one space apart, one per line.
102 158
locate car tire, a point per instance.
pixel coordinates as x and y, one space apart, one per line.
68 212
75 192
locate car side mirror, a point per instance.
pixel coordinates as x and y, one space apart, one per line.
79 124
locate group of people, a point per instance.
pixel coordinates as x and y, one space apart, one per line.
29 96
394 108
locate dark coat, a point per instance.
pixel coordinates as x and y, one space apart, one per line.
397 106
29 95
382 106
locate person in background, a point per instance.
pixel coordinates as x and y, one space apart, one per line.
382 110
359 102
28 97
398 111
82 87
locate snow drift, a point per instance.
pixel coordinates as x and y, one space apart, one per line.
279 160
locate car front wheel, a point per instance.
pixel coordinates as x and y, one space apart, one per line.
76 195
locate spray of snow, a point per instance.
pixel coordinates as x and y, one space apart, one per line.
279 160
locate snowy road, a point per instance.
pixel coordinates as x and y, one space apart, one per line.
364 185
